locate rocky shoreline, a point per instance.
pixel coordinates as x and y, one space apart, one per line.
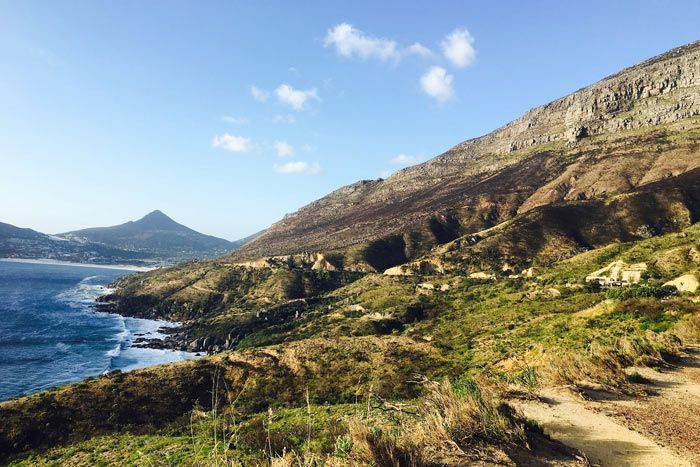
177 338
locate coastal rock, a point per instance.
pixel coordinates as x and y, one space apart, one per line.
206 344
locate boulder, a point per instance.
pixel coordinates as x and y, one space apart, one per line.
687 283
481 275
402 270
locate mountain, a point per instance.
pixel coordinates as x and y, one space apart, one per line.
545 270
153 238
157 236
621 135
16 242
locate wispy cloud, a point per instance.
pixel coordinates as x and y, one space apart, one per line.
234 120
284 149
437 83
405 160
232 143
419 49
295 98
259 94
298 167
458 48
350 42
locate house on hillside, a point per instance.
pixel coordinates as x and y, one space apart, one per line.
618 274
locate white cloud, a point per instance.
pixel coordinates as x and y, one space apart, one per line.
295 98
349 42
232 143
258 94
234 120
458 48
298 167
419 49
284 119
405 160
284 149
308 148
437 83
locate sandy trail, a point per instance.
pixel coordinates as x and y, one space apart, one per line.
671 415
659 430
567 417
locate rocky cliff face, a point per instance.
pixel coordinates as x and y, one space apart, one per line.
630 129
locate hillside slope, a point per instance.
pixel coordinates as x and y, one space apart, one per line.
631 129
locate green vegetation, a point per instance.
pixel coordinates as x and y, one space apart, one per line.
342 367
356 371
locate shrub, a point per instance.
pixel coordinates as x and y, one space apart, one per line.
642 291
653 314
648 308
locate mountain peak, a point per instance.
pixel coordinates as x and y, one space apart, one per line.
157 214
158 219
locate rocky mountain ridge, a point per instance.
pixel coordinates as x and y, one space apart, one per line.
598 141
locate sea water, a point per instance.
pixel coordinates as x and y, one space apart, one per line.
51 334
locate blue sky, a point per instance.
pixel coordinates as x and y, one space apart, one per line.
227 115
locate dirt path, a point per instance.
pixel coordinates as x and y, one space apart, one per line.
660 430
566 418
671 416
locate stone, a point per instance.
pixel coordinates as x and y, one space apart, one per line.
686 283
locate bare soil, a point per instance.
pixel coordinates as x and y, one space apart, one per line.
661 429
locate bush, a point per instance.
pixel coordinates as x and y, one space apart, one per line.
644 308
653 314
642 291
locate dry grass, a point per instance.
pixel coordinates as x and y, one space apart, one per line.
454 424
689 329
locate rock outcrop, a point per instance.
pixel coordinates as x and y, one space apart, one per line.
686 283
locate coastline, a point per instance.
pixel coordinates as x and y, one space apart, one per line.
169 335
59 334
56 262
144 343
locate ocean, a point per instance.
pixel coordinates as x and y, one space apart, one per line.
50 333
